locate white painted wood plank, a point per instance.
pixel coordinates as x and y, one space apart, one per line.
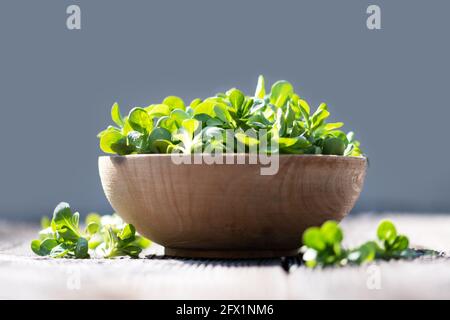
23 275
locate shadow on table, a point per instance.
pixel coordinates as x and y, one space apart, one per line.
284 262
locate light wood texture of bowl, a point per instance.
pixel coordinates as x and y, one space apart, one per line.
230 210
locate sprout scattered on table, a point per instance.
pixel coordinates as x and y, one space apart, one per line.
323 246
103 236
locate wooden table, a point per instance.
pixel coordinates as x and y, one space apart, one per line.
23 275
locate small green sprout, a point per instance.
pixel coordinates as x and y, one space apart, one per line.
104 236
323 246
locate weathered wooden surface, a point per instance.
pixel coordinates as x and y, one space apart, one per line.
23 275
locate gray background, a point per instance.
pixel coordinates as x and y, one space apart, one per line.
56 86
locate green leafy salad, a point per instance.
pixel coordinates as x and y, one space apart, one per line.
226 121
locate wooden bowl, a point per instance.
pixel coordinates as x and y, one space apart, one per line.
230 211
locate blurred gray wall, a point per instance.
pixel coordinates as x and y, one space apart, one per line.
56 86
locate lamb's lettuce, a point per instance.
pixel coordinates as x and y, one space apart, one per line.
103 236
161 127
323 246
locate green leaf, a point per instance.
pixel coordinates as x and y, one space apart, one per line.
116 116
333 126
43 248
113 142
66 234
167 123
189 137
110 128
206 107
305 110
92 227
350 136
212 132
386 231
246 139
214 122
123 243
158 110
93 218
163 146
66 223
259 119
195 103
304 106
297 129
339 134
364 254
260 91
47 233
223 114
35 246
178 116
300 146
203 118
132 251
191 125
280 92
286 142
331 232
126 127
280 123
141 242
61 250
128 232
314 239
401 243
334 146
319 116
76 220
140 121
158 134
137 141
62 215
45 222
95 241
236 97
81 249
289 116
174 103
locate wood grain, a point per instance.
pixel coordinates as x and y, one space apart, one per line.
230 211
24 275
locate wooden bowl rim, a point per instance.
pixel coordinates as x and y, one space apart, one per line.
299 156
